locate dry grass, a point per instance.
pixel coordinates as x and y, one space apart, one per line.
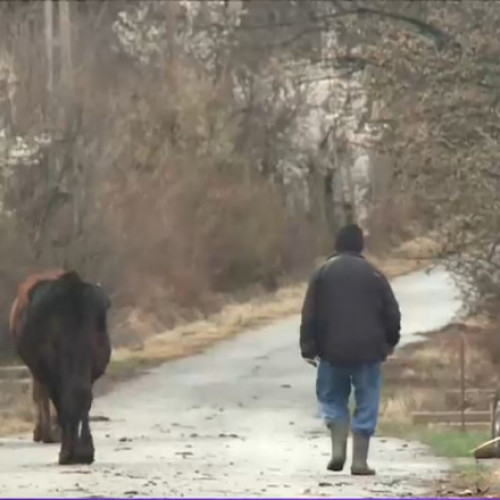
397 266
430 367
491 480
16 423
470 480
193 337
16 409
397 408
422 247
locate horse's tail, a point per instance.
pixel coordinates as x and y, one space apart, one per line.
13 317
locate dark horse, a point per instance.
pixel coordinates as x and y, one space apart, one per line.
59 323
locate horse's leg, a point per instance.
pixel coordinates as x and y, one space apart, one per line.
67 454
36 391
56 428
86 443
44 408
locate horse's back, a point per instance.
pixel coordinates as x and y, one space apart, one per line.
23 295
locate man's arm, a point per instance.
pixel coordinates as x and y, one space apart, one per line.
308 346
390 312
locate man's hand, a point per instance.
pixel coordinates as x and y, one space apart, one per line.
313 362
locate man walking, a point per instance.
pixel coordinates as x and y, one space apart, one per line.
350 323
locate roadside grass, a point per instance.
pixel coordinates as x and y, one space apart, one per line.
17 416
454 443
444 442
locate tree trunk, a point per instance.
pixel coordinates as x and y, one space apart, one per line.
66 55
49 45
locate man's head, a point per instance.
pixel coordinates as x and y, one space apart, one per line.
349 239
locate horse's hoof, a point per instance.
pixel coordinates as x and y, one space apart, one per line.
66 459
85 458
85 455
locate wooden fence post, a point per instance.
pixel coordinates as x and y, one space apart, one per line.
462 382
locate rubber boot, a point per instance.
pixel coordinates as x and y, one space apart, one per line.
360 446
338 435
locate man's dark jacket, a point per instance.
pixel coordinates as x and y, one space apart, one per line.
350 314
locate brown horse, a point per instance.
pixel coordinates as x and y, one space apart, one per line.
44 429
60 327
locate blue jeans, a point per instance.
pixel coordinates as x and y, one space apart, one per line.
333 388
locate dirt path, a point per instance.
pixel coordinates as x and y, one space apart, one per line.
239 420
